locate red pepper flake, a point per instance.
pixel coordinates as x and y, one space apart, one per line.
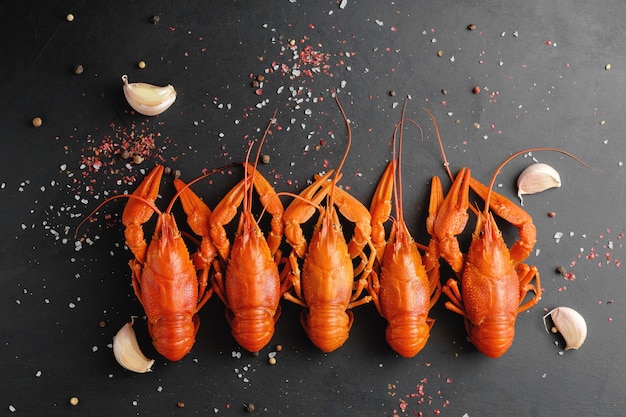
403 405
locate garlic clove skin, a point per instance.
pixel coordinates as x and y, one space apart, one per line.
127 352
537 178
571 324
148 99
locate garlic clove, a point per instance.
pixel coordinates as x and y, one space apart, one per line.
537 178
571 324
127 352
148 99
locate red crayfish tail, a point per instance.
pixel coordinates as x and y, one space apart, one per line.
494 336
409 337
328 329
252 328
173 336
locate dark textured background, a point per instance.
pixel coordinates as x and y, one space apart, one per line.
541 68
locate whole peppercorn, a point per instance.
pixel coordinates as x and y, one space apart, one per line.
37 121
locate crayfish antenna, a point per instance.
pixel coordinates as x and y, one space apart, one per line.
348 145
247 202
446 164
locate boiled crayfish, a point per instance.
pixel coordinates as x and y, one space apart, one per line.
403 285
494 280
171 284
326 285
250 284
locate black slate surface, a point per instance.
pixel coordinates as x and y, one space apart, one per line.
542 70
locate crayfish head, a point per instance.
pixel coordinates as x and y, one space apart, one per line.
488 246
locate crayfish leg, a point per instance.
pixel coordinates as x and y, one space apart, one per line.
138 211
513 214
451 219
451 289
526 274
271 202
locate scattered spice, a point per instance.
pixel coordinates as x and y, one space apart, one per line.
471 26
141 64
272 360
74 401
180 404
155 19
69 17
476 90
249 407
37 121
551 214
265 158
278 348
440 53
392 93
102 323
138 159
444 91
607 67
78 69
